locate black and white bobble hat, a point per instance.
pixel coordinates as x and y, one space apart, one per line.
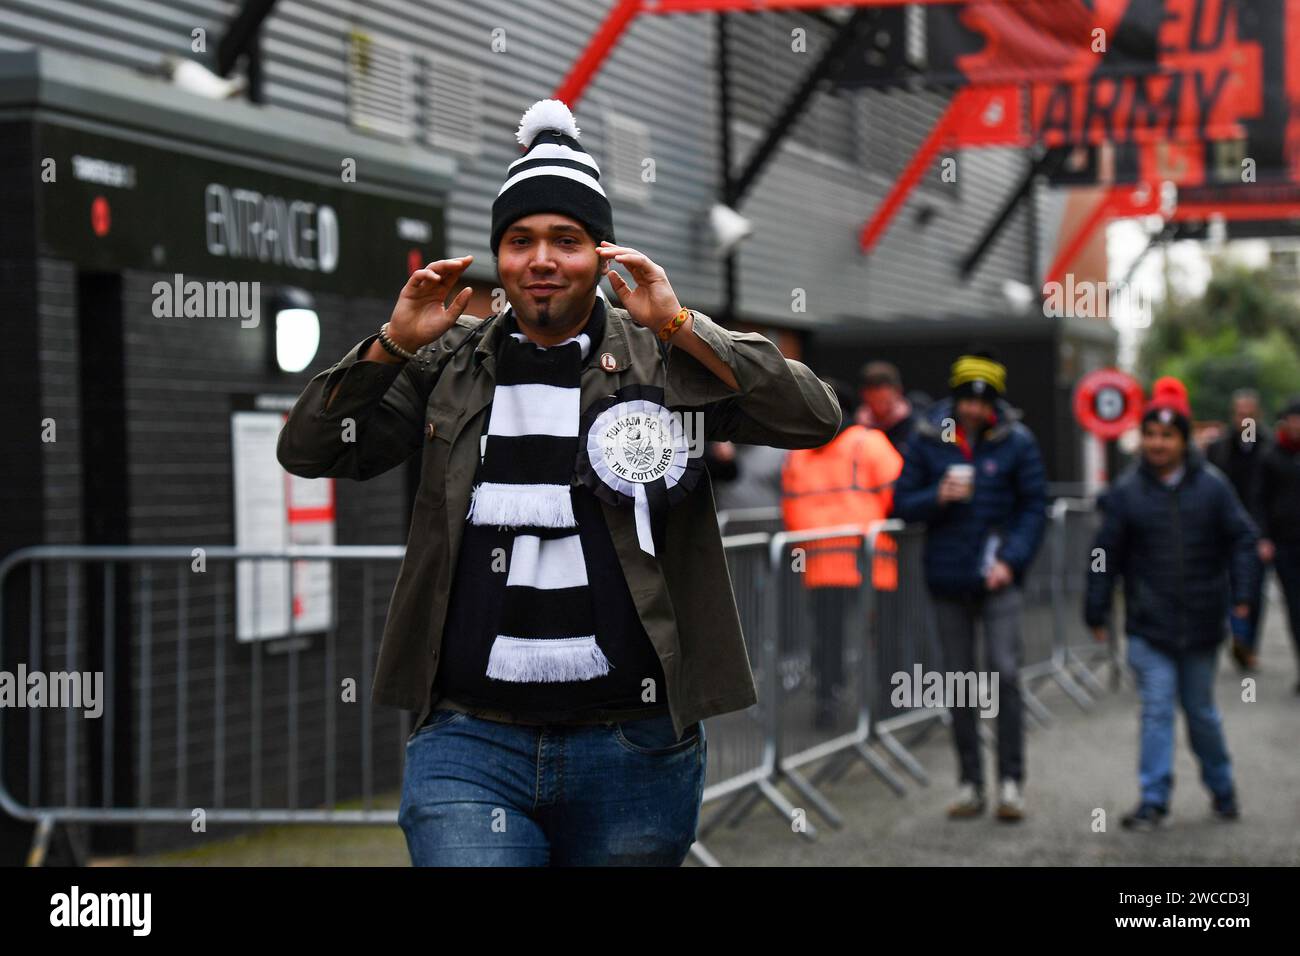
555 174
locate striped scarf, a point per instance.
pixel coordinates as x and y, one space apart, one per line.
547 630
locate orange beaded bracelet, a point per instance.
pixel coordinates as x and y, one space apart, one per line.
673 324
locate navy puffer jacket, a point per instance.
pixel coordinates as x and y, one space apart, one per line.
1010 499
1185 553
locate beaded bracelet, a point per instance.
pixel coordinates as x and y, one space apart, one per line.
672 325
391 347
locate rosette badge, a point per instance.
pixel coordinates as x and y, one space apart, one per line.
633 450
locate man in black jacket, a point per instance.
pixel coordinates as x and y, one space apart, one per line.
1278 510
1172 528
1239 453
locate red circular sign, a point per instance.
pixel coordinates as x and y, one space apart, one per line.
100 216
1108 402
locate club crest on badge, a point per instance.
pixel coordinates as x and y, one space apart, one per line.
637 444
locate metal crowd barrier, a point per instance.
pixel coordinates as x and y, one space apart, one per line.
813 678
261 731
256 732
734 521
1080 656
905 635
741 753
886 631
1040 646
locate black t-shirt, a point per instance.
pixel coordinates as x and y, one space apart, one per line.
473 614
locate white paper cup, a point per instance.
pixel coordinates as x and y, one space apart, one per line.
965 476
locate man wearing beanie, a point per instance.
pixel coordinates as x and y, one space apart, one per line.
1278 507
1175 531
563 620
973 473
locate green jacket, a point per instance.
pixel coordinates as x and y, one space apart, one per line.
433 405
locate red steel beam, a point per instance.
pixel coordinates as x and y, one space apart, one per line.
911 175
616 22
1123 201
598 48
1099 216
1119 202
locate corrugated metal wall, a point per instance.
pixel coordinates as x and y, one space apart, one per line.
808 205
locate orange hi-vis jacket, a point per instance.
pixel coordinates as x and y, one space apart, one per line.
847 481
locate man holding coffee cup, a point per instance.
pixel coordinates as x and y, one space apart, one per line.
973 473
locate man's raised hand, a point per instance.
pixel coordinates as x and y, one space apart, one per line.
653 302
421 314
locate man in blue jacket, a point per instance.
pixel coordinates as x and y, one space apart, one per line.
974 475
1175 531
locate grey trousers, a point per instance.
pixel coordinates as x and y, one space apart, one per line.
999 613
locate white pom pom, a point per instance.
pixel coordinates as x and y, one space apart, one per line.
544 115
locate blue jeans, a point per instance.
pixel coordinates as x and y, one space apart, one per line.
1186 678
483 793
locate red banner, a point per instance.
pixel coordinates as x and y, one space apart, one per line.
1118 71
1133 73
